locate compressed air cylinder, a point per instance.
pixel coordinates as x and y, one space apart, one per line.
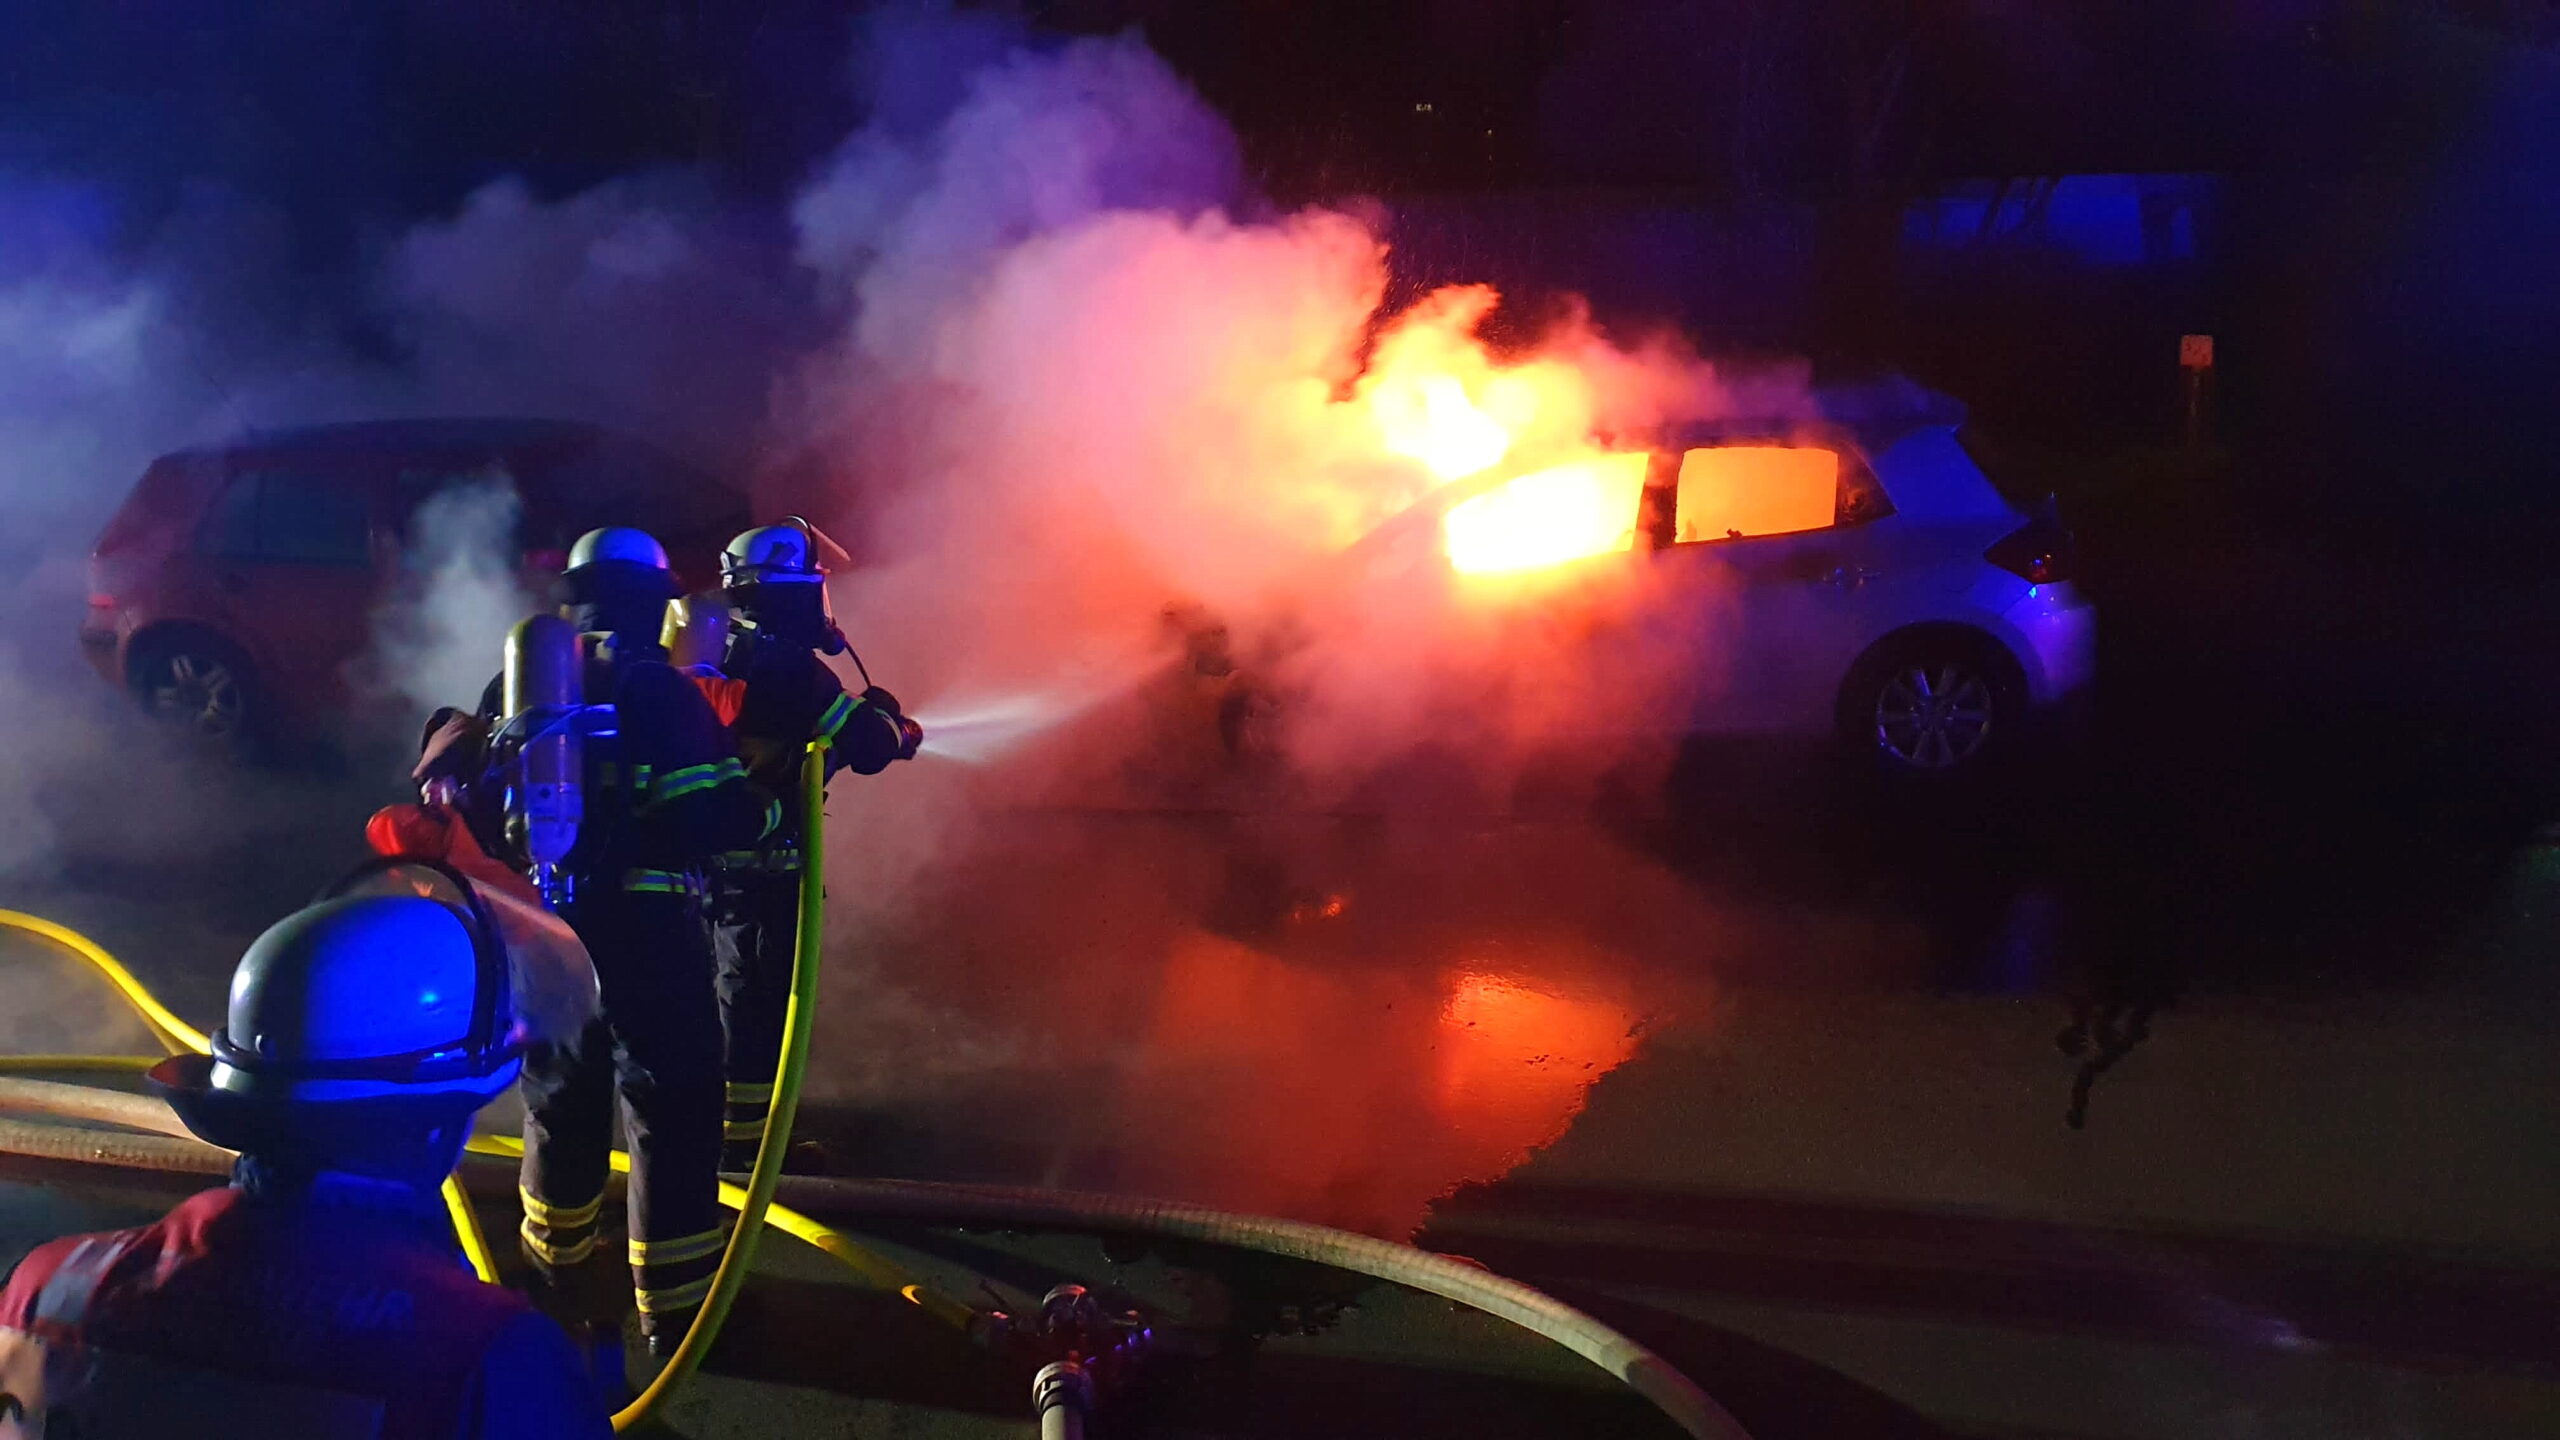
542 693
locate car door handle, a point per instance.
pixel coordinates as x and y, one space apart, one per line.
232 581
1848 577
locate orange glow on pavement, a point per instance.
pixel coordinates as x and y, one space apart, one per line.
1514 1058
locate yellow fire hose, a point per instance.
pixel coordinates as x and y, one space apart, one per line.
171 1149
180 1037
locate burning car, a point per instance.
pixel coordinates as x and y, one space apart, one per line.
1856 577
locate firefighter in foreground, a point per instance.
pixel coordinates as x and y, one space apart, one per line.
776 591
664 793
320 1294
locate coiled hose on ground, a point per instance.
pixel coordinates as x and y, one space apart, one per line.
167 1147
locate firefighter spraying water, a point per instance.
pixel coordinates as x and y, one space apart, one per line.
786 697
617 783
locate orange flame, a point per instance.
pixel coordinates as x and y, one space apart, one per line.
1438 396
1546 517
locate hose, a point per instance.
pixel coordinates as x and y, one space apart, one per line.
999 1207
166 1148
174 1034
179 1037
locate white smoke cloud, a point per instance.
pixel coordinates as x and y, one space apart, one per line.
1085 377
440 634
643 303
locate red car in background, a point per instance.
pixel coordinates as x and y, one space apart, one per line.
237 582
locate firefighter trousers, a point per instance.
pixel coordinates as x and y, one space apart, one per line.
657 1041
758 930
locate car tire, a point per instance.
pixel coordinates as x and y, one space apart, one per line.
1934 705
201 689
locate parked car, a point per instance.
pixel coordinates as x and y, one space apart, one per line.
1859 579
230 592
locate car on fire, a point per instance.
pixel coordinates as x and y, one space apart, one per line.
1855 576
237 583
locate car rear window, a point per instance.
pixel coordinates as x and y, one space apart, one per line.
163 503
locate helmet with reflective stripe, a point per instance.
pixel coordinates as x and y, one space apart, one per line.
618 544
770 555
382 999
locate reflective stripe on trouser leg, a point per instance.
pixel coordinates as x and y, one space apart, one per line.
755 985
568 1132
676 1273
653 960
748 1106
555 1237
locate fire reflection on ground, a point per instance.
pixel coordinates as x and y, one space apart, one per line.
1342 1053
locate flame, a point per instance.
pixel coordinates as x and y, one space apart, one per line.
1438 396
1546 517
1430 418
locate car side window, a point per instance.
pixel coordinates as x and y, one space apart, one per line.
1741 492
292 518
314 520
1735 492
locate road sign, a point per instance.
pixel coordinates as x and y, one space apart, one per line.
2195 352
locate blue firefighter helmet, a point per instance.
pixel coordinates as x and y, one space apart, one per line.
617 544
771 555
356 1010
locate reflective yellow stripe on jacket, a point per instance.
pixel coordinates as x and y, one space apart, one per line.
692 779
832 719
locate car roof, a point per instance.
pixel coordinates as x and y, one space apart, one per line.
1874 415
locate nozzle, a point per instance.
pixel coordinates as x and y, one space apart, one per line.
910 734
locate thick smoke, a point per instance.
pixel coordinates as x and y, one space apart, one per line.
645 303
1106 426
459 586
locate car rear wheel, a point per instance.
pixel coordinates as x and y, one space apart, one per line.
1932 705
197 687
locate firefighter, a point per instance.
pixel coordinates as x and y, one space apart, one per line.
320 1294
776 591
664 793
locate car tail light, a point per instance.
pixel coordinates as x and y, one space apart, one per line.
2040 554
